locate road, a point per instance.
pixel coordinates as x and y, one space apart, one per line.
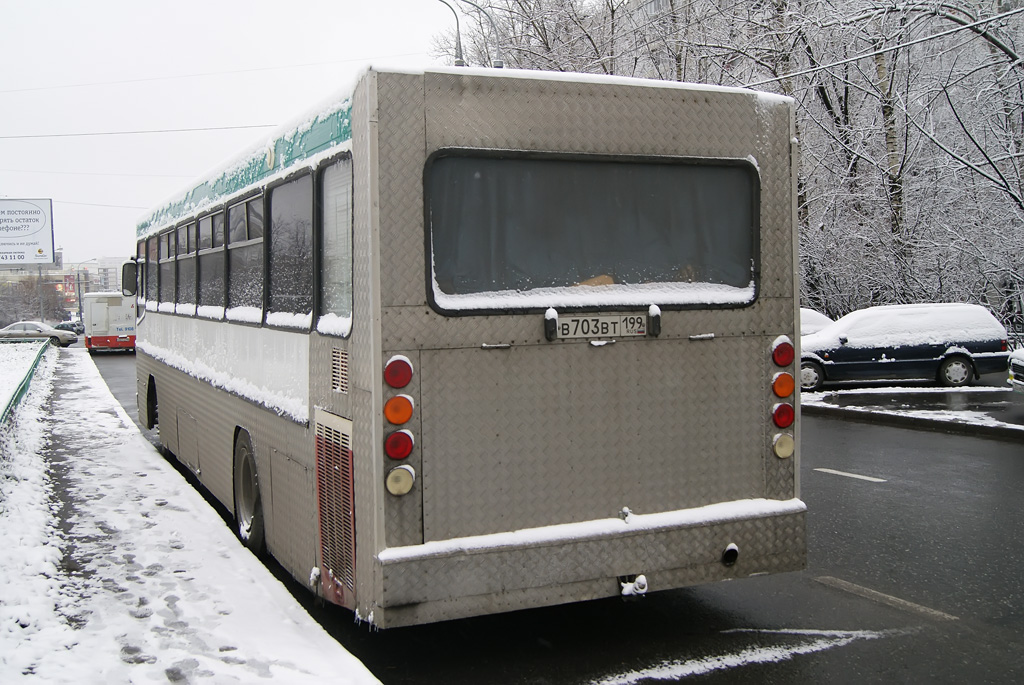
913 576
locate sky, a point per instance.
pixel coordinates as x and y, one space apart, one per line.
107 68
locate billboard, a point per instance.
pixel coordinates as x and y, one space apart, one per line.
26 232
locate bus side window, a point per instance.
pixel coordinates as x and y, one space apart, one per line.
245 261
212 283
151 269
186 269
336 250
291 253
167 267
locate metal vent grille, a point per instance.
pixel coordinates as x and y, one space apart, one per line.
339 370
336 501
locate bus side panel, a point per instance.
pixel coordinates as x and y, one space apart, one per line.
283 450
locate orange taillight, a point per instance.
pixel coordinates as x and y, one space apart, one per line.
783 384
398 409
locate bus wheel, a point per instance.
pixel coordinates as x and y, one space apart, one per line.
248 504
152 408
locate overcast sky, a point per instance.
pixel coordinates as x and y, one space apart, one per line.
106 67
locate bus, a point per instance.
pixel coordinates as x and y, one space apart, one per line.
459 341
109 320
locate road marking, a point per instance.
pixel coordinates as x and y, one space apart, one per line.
851 475
882 598
815 641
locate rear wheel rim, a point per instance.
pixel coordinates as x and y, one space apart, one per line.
956 372
248 493
809 377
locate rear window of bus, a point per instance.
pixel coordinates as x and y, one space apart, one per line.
540 231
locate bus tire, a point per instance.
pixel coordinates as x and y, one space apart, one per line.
152 407
248 503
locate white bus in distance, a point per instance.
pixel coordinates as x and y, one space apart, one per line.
468 341
109 321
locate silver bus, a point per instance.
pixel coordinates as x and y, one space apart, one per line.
468 341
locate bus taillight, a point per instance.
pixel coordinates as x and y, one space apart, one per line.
783 352
398 371
399 444
398 410
783 384
783 415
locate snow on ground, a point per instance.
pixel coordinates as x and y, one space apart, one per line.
136 578
888 402
15 360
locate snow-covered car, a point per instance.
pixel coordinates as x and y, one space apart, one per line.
1016 367
947 343
812 321
34 329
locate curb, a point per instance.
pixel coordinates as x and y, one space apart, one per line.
23 386
882 417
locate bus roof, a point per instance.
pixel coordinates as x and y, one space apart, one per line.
324 129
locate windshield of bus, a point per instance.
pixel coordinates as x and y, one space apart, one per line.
530 232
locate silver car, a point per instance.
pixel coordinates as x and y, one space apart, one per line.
34 329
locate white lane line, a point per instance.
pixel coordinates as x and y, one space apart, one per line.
814 641
851 475
882 598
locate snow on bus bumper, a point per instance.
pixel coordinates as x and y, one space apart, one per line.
576 561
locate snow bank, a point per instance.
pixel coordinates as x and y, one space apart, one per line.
136 578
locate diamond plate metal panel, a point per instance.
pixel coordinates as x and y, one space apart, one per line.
454 585
538 435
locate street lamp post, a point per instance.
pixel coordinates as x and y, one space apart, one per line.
459 62
497 62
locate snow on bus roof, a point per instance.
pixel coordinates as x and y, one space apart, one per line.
327 129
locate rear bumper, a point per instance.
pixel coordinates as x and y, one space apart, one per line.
110 342
579 561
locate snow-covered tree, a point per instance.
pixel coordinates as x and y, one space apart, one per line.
910 116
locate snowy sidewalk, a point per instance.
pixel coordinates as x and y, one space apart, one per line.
114 569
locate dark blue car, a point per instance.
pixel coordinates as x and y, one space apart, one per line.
947 343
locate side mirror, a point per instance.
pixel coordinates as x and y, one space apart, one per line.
129 279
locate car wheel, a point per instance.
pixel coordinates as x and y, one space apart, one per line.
812 377
955 372
248 503
55 341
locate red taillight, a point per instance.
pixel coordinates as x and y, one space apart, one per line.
783 415
783 353
1005 346
398 371
399 444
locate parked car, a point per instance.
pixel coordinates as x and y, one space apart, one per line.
1016 365
34 329
812 321
947 343
73 326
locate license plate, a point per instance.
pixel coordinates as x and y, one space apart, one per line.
621 326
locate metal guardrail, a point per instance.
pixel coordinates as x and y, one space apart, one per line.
23 385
